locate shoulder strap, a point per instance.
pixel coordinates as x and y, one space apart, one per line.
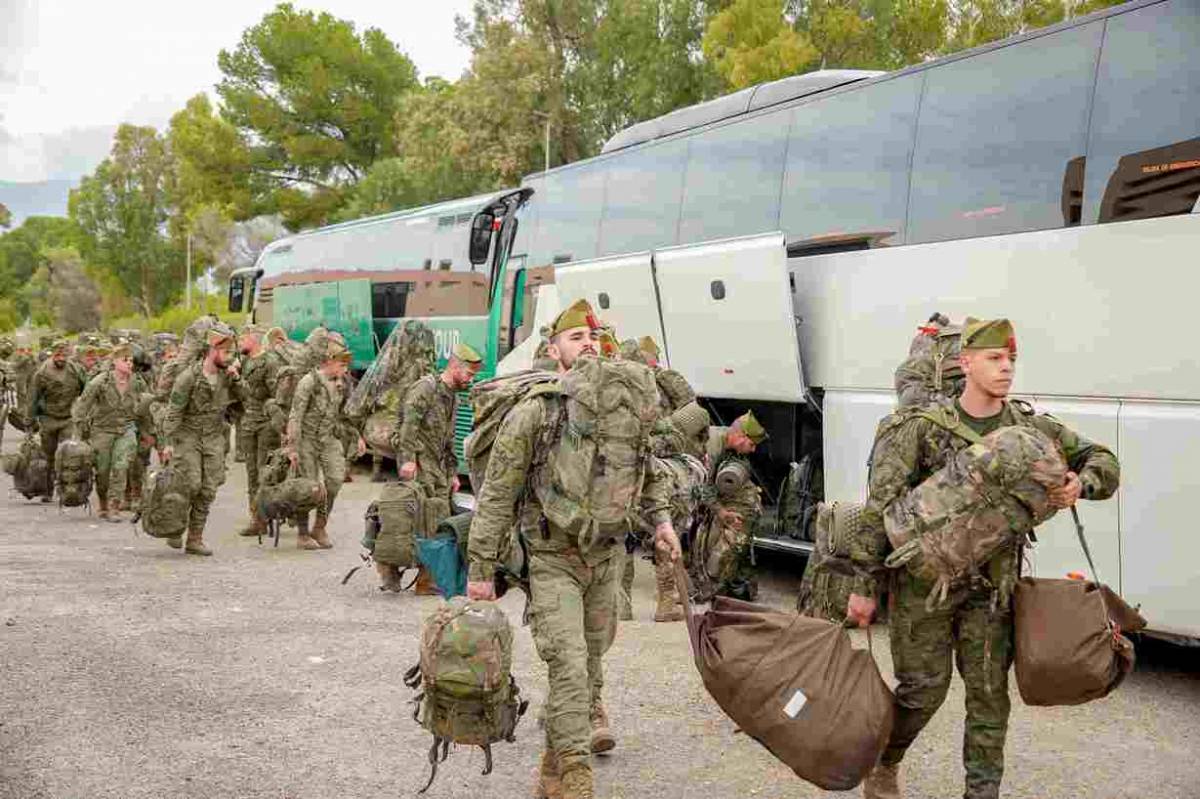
945 417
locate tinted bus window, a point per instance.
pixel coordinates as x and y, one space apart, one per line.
569 214
847 162
641 199
733 179
527 229
1143 157
996 136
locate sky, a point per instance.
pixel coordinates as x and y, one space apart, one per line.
72 70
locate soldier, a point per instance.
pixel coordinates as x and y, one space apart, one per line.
313 441
573 588
196 429
722 553
55 386
108 417
975 623
256 437
424 440
143 370
21 367
674 393
8 391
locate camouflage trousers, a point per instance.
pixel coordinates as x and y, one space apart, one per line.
323 459
980 640
137 473
573 611
200 461
114 454
52 432
255 442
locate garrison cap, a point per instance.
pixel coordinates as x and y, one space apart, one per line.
122 350
466 353
751 427
609 346
987 334
252 330
219 334
580 314
648 345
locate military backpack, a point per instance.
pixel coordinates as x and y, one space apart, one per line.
931 371
395 521
596 449
73 473
283 493
468 693
165 503
491 400
832 573
29 469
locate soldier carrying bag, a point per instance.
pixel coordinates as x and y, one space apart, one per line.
1068 641
795 685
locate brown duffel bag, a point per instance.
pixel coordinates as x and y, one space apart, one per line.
1068 643
795 685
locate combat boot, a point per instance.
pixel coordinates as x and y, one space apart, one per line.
548 784
175 542
256 527
577 783
320 535
425 585
602 737
667 594
303 539
195 542
115 511
883 782
389 577
103 514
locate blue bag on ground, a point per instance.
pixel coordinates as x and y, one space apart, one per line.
446 566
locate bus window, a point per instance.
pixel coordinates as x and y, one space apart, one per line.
732 183
389 300
995 134
642 197
847 162
569 212
1143 155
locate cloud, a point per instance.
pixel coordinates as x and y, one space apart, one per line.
18 34
67 155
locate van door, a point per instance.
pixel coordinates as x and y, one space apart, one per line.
620 289
728 318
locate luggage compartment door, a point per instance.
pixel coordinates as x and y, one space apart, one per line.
728 318
620 289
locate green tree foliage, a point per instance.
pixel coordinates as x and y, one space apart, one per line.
317 101
23 251
749 42
123 209
212 164
62 294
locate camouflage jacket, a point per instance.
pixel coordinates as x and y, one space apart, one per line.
746 500
54 390
198 406
316 410
259 377
909 447
425 424
505 496
101 408
20 373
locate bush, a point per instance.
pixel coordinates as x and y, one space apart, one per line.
176 318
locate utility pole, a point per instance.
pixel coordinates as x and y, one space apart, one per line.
188 286
546 116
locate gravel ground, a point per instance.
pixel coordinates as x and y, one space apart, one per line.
129 670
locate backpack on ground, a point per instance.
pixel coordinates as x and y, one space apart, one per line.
468 694
931 371
987 496
29 469
74 473
597 450
165 503
395 521
832 573
491 401
445 556
795 685
283 493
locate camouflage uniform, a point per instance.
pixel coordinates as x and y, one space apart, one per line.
109 421
975 623
313 430
425 436
257 438
20 374
574 590
52 392
195 426
722 552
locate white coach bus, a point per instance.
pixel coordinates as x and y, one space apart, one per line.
784 242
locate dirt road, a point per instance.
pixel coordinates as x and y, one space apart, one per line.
129 670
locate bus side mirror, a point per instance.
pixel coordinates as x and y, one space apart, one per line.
237 292
481 236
